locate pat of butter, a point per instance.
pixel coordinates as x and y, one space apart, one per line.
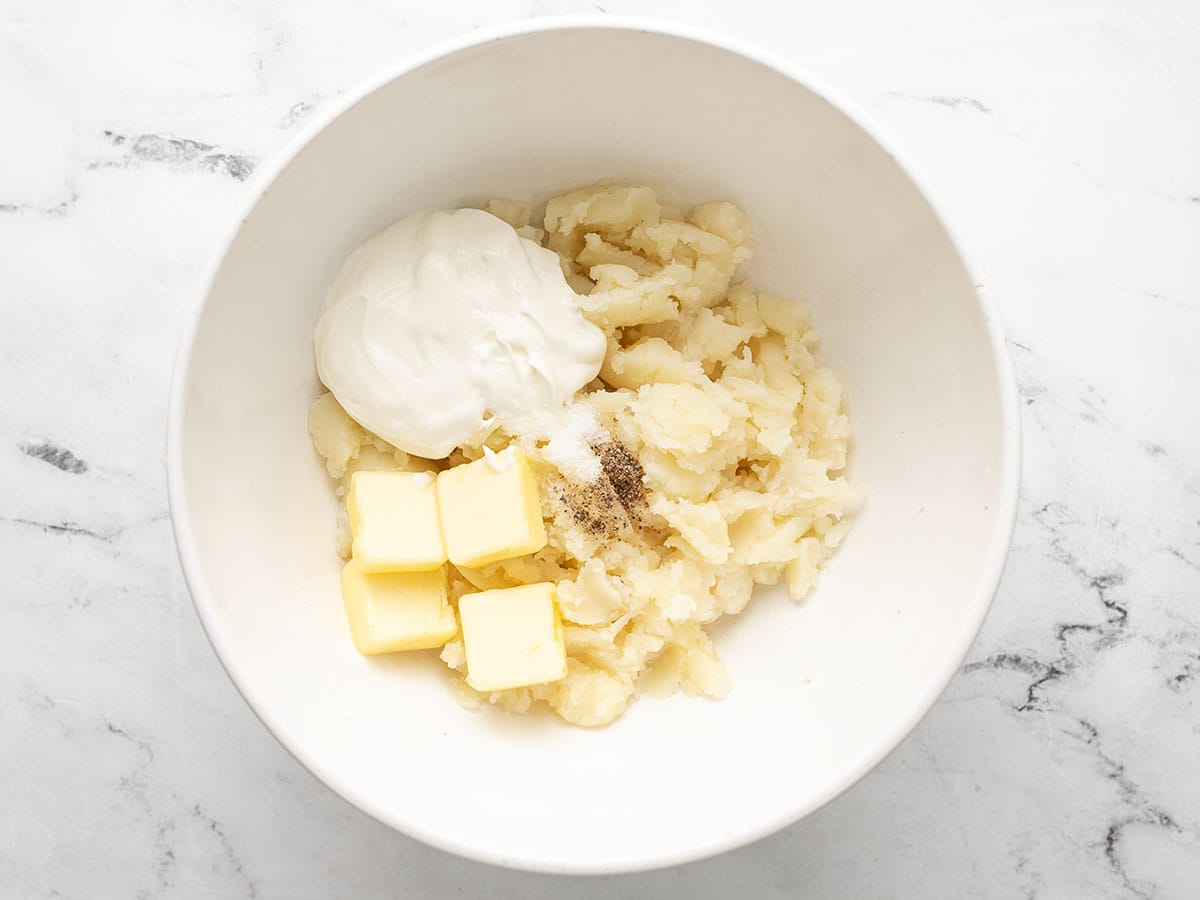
394 518
513 637
489 510
397 610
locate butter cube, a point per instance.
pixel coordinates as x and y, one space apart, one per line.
513 637
489 509
394 611
394 519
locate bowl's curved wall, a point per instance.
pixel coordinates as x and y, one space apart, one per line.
822 691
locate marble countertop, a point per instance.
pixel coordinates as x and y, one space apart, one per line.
1063 761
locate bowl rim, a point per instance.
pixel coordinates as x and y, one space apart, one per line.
980 602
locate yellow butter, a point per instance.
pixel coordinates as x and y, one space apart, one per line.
393 611
490 510
513 637
394 519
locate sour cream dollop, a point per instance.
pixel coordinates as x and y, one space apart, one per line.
447 324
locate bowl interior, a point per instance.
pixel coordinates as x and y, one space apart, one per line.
822 690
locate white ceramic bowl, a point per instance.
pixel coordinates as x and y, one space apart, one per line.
822 691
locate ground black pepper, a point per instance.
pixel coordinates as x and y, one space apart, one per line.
612 503
624 471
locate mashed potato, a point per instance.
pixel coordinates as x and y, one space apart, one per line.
723 444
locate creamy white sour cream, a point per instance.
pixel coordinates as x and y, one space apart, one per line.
447 324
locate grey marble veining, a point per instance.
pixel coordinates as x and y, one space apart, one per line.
1063 760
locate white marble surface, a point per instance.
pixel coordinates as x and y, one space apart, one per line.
1064 761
